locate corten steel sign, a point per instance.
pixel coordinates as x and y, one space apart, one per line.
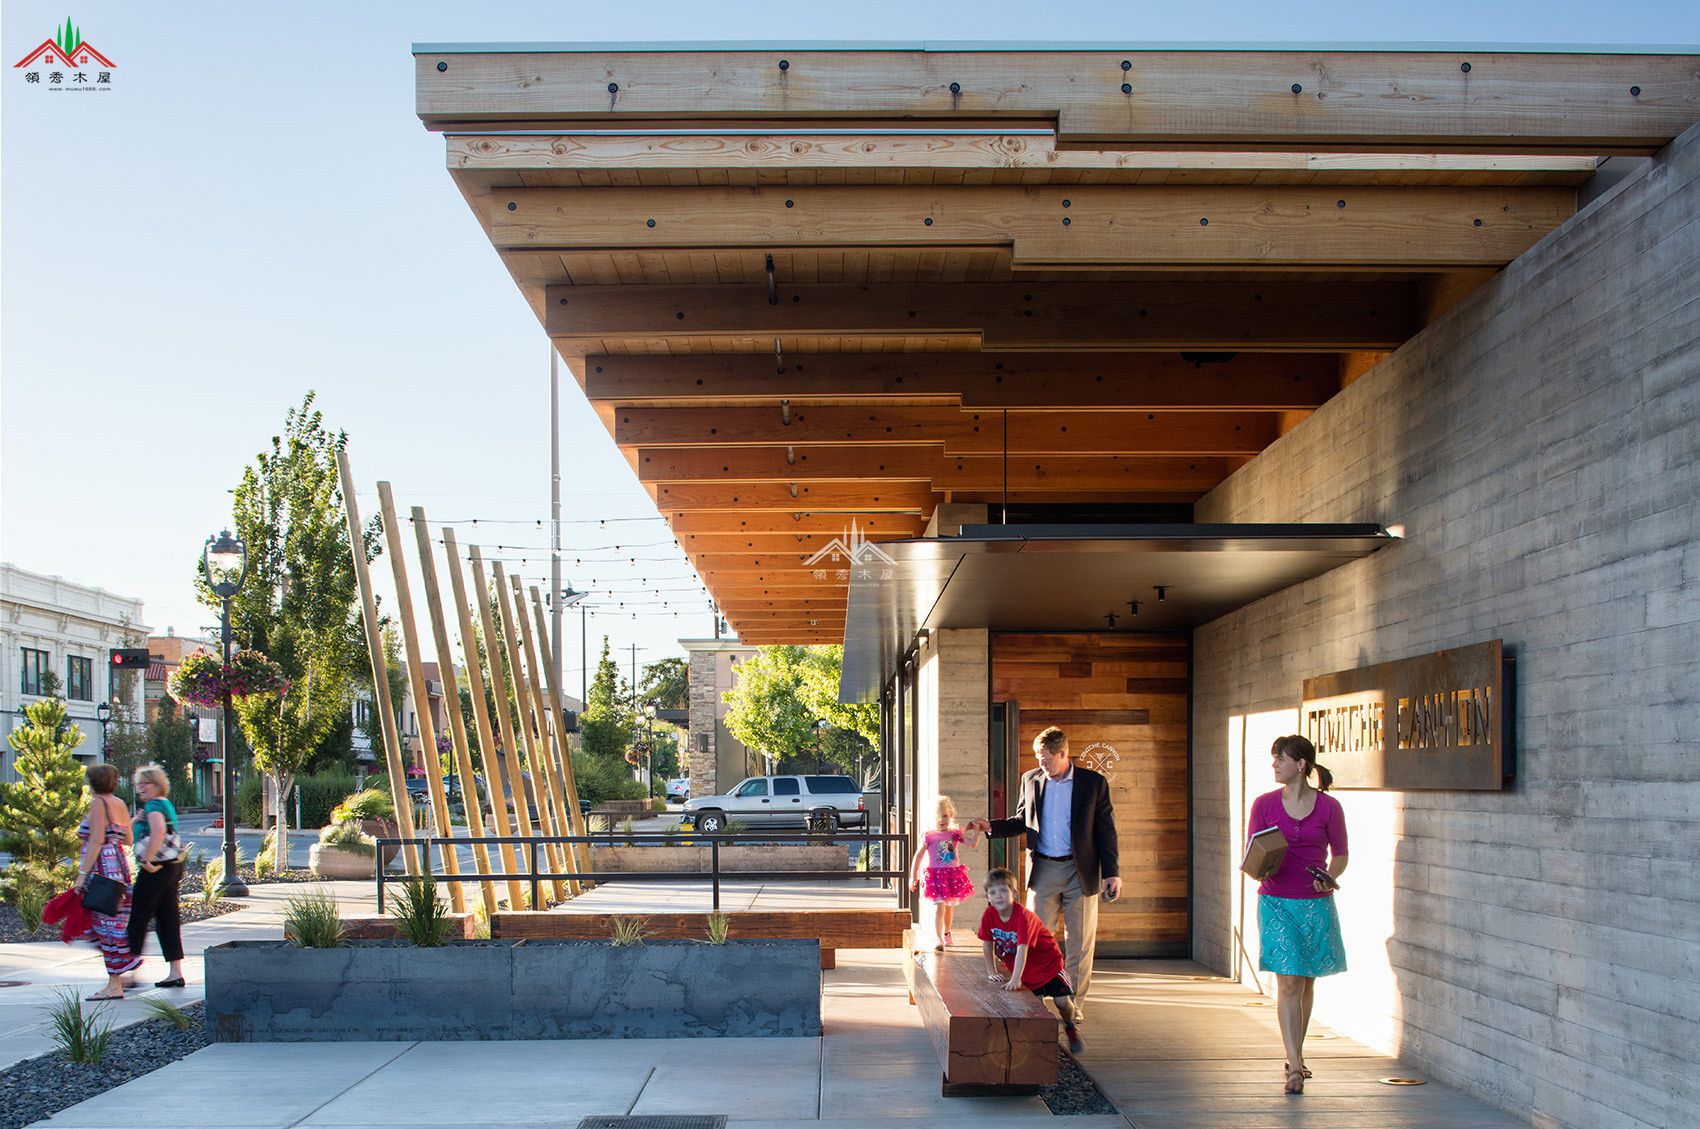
1436 722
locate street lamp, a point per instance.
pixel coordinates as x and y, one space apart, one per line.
103 714
225 560
567 600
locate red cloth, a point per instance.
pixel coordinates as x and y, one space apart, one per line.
68 908
1044 959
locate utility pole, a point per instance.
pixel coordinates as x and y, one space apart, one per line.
556 608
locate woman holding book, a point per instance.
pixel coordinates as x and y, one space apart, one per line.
1296 919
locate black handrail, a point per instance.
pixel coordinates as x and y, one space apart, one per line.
536 876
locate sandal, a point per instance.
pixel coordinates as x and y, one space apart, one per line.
1295 1082
104 996
1287 1068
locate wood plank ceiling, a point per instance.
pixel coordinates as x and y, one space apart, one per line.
805 288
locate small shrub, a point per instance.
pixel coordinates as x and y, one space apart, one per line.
630 930
32 887
480 923
347 836
658 803
420 915
719 925
81 1034
628 827
313 921
265 863
736 826
170 1012
372 803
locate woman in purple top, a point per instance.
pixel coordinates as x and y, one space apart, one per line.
1296 919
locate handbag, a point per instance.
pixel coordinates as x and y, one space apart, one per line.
102 894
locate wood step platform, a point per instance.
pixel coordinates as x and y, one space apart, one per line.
989 1041
834 928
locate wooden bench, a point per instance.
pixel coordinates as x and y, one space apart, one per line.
834 928
988 1040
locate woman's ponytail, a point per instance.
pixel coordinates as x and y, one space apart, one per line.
1324 778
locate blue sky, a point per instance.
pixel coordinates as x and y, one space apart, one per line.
254 210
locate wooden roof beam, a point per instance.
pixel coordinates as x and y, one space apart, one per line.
498 153
889 497
962 432
1205 316
777 523
1252 381
1314 101
1056 226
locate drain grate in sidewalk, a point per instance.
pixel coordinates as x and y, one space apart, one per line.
661 1121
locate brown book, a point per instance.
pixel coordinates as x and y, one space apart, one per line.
1263 853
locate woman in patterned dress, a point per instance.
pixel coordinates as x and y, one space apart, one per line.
1298 927
106 837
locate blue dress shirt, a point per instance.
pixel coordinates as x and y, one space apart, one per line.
1056 807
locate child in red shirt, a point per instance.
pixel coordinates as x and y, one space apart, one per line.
1014 935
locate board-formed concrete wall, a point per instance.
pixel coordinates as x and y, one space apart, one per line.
1539 444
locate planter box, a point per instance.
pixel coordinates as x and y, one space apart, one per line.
666 989
735 859
336 862
271 991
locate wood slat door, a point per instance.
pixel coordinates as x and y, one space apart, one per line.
1123 701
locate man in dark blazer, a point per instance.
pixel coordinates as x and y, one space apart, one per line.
1064 813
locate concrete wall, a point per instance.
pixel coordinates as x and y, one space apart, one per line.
1536 946
953 728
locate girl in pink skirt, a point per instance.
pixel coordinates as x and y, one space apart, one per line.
947 875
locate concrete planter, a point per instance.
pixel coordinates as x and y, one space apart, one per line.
337 862
747 857
271 991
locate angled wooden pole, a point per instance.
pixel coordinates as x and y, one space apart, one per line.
546 726
502 684
534 757
380 673
487 745
451 704
563 747
421 695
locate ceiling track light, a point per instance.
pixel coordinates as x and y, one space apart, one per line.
1133 606
1162 592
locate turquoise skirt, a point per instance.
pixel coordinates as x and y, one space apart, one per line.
1299 936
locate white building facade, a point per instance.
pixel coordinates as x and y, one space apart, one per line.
54 630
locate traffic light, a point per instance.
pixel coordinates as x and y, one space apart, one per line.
129 658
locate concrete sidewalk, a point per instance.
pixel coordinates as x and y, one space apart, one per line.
1174 1047
40 973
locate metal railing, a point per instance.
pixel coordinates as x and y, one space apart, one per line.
537 872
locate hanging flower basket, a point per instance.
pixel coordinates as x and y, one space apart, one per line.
203 681
199 680
250 673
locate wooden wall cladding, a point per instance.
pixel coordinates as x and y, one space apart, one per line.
1123 700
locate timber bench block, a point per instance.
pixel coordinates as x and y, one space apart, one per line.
989 1041
834 928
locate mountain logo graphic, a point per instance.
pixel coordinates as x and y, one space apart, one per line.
855 547
65 48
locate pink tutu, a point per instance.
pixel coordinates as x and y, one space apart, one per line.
948 885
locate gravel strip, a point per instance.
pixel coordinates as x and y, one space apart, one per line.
1075 1091
39 1087
12 925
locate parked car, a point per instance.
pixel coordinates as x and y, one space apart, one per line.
823 801
678 791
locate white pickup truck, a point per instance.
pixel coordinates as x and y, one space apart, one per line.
822 801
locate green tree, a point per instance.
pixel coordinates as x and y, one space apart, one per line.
299 603
767 711
171 745
40 813
605 728
666 682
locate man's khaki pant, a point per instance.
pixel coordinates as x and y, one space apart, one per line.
1054 894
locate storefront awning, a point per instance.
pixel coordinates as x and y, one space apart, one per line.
1073 578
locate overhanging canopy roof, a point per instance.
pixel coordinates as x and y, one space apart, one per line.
810 285
1073 578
